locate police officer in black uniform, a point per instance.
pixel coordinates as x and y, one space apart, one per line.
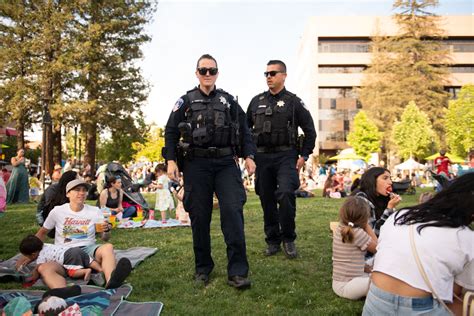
274 117
209 127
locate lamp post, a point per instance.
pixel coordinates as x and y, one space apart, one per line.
46 120
75 141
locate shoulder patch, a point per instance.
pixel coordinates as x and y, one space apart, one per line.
178 104
304 105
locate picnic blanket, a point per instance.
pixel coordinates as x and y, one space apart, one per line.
110 302
151 223
8 272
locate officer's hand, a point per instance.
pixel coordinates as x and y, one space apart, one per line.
173 171
250 166
300 163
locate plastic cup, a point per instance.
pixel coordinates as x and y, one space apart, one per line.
99 227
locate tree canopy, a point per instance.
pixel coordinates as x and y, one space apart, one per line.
459 122
413 134
365 136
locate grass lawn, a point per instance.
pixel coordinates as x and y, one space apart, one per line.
280 286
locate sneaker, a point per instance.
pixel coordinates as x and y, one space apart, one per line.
272 249
201 278
290 250
239 282
121 272
98 278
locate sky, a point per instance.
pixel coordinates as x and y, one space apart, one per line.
242 36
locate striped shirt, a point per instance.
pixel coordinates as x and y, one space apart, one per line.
348 258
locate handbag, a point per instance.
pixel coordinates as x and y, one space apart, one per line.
422 270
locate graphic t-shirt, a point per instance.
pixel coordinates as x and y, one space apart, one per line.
51 253
73 229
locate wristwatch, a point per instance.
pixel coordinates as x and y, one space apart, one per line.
305 158
251 157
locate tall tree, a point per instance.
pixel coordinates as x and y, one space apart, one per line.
459 122
365 136
18 102
413 134
151 149
111 86
407 67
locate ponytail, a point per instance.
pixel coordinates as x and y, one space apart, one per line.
347 234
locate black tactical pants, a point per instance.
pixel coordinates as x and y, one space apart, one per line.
276 183
203 177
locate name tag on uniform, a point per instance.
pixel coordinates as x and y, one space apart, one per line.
262 106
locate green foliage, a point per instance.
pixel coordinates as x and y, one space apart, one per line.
407 67
413 134
365 137
151 149
78 59
459 122
280 286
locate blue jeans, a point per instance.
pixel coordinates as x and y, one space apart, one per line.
379 302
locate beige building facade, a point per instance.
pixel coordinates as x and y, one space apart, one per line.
332 55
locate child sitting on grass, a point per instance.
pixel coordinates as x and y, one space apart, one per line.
351 239
77 263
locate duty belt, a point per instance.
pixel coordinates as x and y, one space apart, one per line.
212 152
273 149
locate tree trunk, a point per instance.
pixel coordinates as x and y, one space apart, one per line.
57 148
90 132
20 134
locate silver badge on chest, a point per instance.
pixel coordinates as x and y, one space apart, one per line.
281 103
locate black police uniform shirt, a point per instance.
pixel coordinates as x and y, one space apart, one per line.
270 103
178 115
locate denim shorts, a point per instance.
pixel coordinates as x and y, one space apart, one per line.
379 302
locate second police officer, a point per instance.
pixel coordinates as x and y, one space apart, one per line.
209 126
274 117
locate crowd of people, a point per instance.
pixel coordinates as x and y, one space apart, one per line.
206 131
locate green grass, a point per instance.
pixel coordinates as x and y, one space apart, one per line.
280 286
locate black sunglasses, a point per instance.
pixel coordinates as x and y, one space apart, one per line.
203 71
272 73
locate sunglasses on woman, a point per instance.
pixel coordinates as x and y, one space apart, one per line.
203 71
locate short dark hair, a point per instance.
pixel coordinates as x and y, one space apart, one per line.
30 244
205 56
277 62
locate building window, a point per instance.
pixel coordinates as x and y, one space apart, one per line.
320 103
343 45
333 104
358 104
340 69
453 92
346 125
320 125
461 69
461 45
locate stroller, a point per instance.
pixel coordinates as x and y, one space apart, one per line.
131 191
403 187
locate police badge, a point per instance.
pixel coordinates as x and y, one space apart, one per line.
281 103
224 101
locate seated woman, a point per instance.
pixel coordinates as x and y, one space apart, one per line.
112 197
376 189
332 188
437 233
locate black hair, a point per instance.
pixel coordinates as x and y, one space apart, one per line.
30 244
277 62
451 207
368 185
61 198
205 56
